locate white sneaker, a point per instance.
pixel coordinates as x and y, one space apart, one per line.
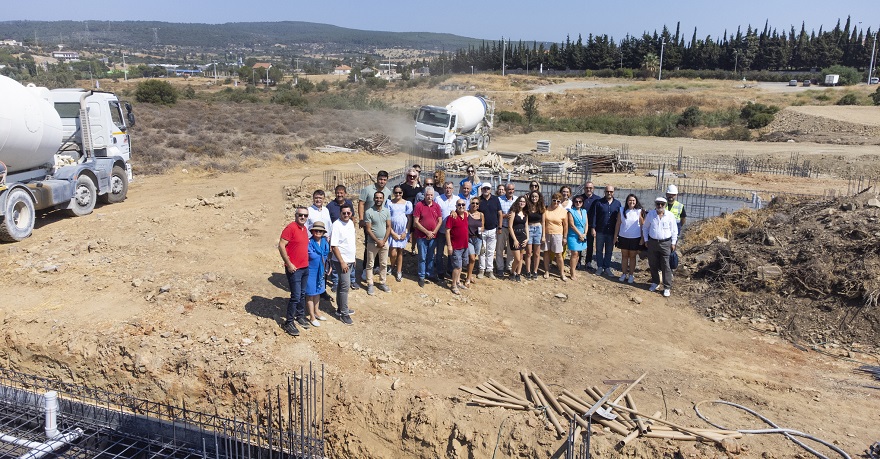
315 323
622 278
631 279
666 292
652 288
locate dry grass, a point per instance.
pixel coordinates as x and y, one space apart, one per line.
721 227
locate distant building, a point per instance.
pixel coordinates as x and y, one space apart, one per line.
10 42
342 70
262 65
66 55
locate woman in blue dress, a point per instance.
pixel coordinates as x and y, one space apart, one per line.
319 253
401 224
577 232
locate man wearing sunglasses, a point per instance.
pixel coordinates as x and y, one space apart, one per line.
660 234
603 221
294 248
589 198
342 248
411 186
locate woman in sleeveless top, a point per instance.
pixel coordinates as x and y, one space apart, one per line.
401 223
577 232
519 236
628 236
475 238
535 212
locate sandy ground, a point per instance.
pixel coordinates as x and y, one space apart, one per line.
176 298
851 114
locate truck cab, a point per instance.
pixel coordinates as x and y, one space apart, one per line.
435 130
108 124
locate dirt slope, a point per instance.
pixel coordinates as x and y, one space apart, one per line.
175 295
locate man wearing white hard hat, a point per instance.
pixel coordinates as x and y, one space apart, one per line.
674 207
660 234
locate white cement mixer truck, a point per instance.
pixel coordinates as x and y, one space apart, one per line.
62 149
463 124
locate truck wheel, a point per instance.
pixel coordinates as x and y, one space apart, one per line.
118 187
480 145
464 147
18 223
84 197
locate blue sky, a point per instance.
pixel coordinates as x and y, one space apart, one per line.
491 19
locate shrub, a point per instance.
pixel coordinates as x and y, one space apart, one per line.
509 117
188 93
876 96
848 75
848 99
691 117
156 92
758 115
293 98
322 86
305 85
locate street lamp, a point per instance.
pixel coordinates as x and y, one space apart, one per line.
215 72
267 75
124 68
660 74
871 66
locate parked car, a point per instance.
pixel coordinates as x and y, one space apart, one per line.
792 83
875 80
806 83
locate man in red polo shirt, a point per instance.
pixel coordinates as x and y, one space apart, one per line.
457 240
294 249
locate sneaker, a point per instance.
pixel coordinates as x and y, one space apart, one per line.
490 275
622 278
609 272
346 319
399 276
303 322
479 274
326 296
354 286
290 328
652 288
518 278
376 270
630 279
322 318
385 288
371 290
388 270
364 274
666 292
600 271
316 323
421 282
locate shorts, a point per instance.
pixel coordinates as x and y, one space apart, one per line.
474 245
553 244
535 234
629 243
457 257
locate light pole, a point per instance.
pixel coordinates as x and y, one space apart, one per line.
735 60
124 68
503 52
254 76
472 70
660 73
215 72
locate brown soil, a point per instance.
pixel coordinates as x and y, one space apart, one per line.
175 295
837 125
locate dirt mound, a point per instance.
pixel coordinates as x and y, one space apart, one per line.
821 125
809 270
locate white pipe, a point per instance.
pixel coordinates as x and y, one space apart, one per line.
19 441
52 446
51 399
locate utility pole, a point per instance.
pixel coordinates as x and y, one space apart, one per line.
871 66
503 53
124 68
735 60
660 74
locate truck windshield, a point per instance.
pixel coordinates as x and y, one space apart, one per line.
433 118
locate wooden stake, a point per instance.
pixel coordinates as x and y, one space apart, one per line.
551 415
547 394
484 402
708 436
632 404
494 397
530 389
507 391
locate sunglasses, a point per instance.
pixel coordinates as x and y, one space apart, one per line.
318 231
302 215
470 170
398 192
578 201
412 176
346 213
557 200
459 205
534 185
475 203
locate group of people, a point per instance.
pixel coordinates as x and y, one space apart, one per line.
466 236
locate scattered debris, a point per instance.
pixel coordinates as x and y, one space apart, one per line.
377 143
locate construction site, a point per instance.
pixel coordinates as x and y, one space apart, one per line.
152 327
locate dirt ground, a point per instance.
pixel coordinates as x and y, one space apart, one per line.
176 296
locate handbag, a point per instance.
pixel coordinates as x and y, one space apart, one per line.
673 260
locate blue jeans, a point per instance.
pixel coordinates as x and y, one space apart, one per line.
296 306
604 247
342 288
426 256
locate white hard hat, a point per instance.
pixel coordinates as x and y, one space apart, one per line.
672 189
660 199
486 185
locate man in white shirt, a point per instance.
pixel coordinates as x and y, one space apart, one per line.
342 247
660 234
318 212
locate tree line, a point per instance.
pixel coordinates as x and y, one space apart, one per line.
767 49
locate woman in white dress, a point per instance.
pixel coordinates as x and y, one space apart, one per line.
401 224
